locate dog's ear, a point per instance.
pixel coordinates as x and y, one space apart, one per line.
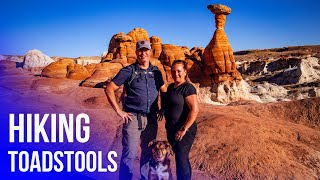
169 148
152 142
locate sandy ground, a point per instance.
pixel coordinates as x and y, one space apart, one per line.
246 140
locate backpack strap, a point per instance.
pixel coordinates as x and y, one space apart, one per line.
157 74
133 74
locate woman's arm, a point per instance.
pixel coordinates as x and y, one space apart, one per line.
193 104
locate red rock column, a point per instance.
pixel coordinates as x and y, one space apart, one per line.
156 46
218 55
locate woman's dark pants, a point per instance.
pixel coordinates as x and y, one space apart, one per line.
181 150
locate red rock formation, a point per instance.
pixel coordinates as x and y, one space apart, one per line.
167 77
57 69
123 62
157 63
196 53
103 72
91 68
218 55
77 72
186 50
119 47
194 70
138 34
123 46
170 53
156 46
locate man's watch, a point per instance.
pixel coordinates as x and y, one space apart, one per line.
183 129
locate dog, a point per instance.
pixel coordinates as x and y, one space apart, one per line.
159 165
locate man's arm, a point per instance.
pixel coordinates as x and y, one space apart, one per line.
110 92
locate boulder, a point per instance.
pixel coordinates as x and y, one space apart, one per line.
219 9
255 67
35 61
57 69
77 72
103 72
269 92
226 92
306 71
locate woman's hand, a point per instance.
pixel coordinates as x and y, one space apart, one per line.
179 134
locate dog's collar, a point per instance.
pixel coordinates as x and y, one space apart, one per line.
155 164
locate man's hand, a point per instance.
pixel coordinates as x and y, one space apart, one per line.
125 116
160 114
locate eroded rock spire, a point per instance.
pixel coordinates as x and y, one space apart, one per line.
218 54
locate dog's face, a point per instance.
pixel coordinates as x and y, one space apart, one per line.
160 150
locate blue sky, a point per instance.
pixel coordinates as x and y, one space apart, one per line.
84 28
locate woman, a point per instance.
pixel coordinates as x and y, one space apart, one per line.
181 111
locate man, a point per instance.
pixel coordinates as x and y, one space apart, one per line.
142 82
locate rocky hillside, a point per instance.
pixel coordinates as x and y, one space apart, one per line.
281 73
275 53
